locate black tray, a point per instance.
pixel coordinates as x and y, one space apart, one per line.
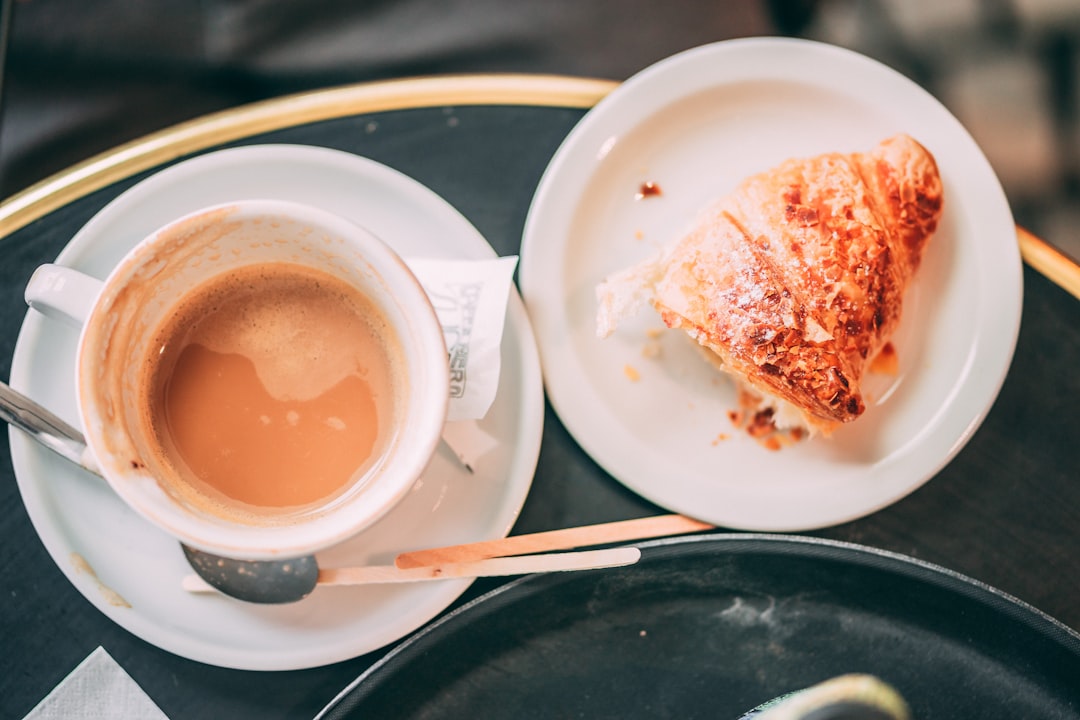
711 626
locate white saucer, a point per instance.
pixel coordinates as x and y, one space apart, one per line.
696 124
131 571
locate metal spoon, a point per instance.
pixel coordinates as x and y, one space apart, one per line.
45 427
258 581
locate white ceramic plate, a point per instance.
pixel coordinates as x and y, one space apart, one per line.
696 124
131 571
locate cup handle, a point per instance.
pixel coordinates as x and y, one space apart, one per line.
63 294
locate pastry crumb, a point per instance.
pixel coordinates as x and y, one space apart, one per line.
631 373
760 423
648 189
770 443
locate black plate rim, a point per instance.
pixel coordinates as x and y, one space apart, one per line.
805 546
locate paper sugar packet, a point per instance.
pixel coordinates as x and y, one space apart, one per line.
470 299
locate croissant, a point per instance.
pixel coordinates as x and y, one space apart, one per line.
794 282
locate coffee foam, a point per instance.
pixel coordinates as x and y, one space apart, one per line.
299 353
306 318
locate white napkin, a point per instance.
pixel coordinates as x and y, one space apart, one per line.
97 689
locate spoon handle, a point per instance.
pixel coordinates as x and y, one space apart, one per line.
493 567
47 428
564 539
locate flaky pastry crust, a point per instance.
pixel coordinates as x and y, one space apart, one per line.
795 281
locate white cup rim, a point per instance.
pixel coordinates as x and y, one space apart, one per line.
424 414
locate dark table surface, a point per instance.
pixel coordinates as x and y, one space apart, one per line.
1005 511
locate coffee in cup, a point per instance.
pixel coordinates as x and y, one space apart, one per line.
268 388
260 379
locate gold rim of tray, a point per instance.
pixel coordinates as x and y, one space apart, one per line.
371 97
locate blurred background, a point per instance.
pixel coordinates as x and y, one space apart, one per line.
81 76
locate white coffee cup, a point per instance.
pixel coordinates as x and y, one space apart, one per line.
119 317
